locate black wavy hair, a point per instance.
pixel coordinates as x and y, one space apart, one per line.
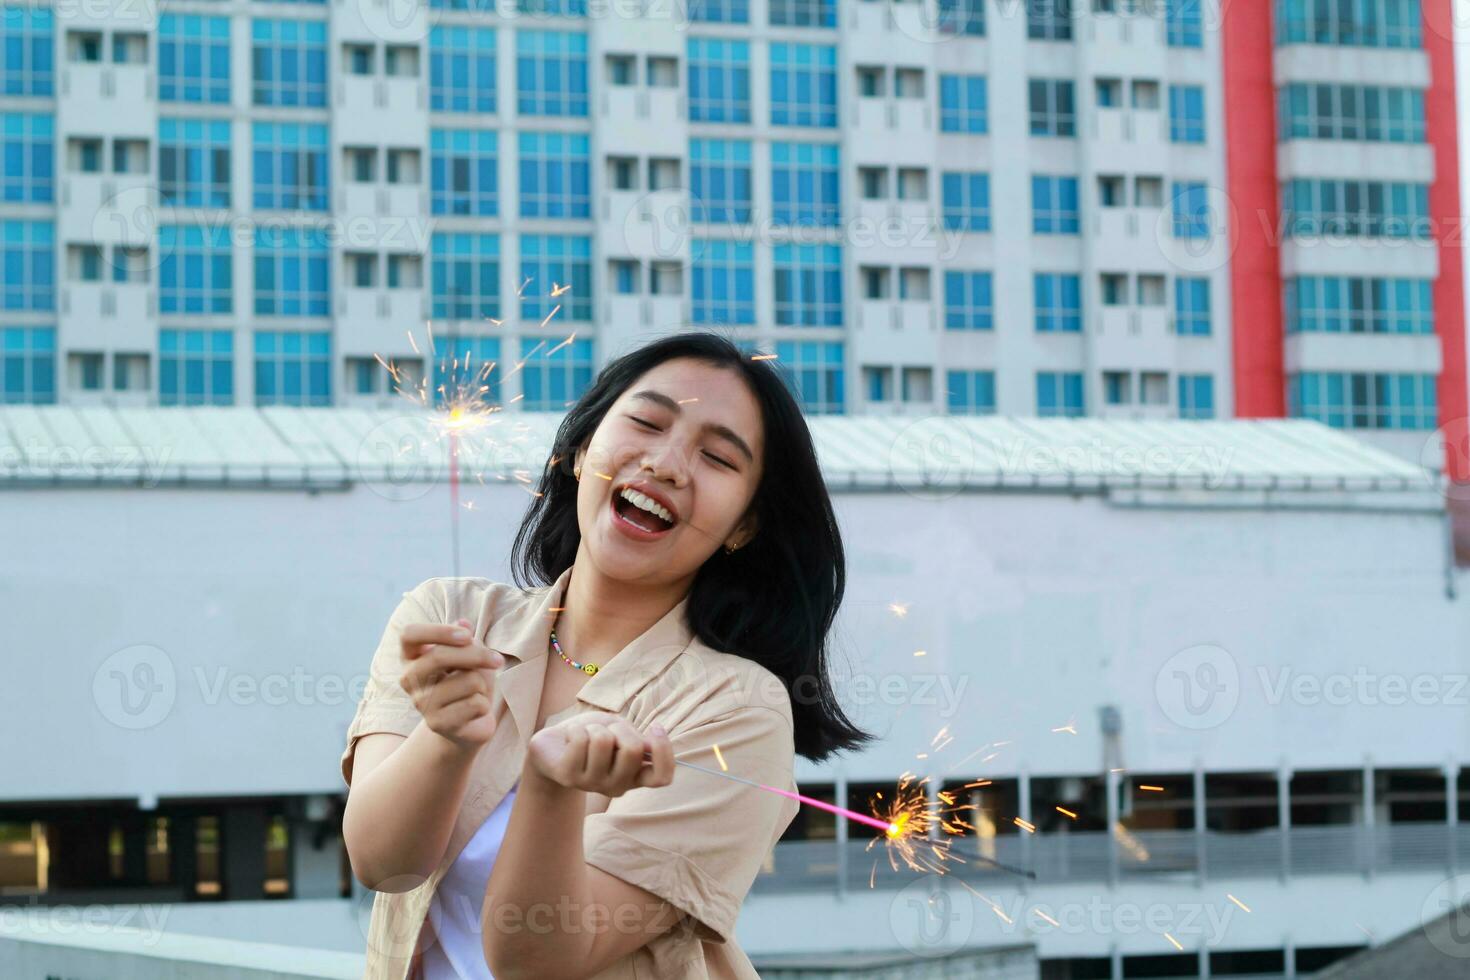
771 601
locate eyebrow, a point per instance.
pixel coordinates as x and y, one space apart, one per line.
715 428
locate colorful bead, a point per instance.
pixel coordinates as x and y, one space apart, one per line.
588 669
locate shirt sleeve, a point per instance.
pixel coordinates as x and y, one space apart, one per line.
699 842
385 705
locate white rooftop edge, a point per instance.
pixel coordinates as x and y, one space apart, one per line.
336 448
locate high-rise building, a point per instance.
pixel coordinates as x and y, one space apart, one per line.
1184 209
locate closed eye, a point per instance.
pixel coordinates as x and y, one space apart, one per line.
649 425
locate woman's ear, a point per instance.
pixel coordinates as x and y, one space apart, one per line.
745 531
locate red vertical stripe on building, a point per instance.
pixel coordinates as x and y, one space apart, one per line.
1444 208
1255 210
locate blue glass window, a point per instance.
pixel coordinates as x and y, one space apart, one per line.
1059 393
463 172
549 265
968 303
1192 305
193 58
723 281
25 54
194 270
1191 209
719 181
556 373
551 73
291 272
467 367
466 275
962 104
1054 205
30 157
1049 20
1388 209
552 8
1196 396
719 80
30 264
1187 113
1373 113
719 11
194 162
1058 301
1364 400
462 69
289 62
290 166
813 371
28 365
803 13
1183 25
966 17
1052 107
804 184
966 197
808 284
293 367
803 85
555 175
1359 304
970 392
196 367
1360 23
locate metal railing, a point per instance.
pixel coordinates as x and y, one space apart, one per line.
1097 856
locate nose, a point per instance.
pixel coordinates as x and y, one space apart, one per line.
666 464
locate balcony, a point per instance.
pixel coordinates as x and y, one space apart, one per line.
104 99
896 332
650 121
1133 337
108 209
105 314
1171 856
376 111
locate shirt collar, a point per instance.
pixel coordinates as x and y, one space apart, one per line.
524 632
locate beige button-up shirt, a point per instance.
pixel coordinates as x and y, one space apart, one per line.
697 843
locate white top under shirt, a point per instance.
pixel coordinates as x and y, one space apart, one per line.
459 953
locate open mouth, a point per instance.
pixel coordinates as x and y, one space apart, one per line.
641 512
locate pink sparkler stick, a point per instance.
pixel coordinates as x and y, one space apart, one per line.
882 825
454 497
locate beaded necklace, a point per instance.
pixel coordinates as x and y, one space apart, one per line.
588 669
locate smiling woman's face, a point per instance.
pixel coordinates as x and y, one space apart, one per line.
686 441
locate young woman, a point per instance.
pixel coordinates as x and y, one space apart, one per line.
516 804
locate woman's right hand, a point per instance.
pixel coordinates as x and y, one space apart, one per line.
451 678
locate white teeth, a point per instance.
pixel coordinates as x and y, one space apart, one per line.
643 502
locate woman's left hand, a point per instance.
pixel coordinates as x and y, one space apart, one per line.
601 752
